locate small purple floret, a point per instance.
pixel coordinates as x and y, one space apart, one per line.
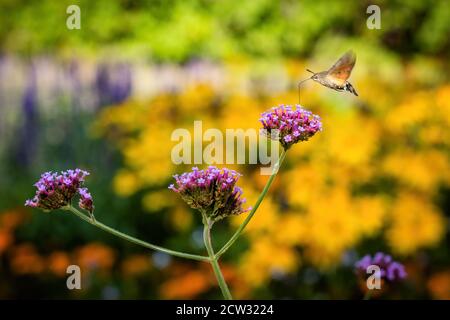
86 201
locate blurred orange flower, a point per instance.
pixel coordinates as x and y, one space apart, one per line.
11 219
186 286
6 239
136 264
95 256
58 262
26 260
439 285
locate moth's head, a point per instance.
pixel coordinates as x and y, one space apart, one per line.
314 76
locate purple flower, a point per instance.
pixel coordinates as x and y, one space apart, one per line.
55 191
86 201
293 124
389 269
212 191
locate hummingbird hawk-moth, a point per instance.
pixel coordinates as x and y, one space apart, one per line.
336 77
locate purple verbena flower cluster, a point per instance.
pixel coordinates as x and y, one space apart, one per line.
55 191
390 270
293 124
211 191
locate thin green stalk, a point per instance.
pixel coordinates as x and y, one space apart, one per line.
213 260
255 207
135 240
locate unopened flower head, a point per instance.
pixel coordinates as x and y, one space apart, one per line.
55 190
212 191
389 269
292 124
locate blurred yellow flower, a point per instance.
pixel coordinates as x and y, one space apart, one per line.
181 218
126 183
413 111
332 222
150 155
266 217
351 139
292 229
157 200
421 170
197 97
231 116
443 102
371 214
415 223
266 257
303 183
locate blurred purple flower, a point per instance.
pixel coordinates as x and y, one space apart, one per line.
113 83
103 85
293 124
389 269
75 83
26 144
211 191
55 191
122 87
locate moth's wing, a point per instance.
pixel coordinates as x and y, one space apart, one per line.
341 70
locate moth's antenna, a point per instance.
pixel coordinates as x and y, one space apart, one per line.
298 86
310 71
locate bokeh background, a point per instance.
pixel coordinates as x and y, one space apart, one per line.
106 98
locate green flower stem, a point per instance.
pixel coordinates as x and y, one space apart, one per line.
255 207
213 260
134 240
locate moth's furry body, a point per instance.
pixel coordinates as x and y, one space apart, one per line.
331 83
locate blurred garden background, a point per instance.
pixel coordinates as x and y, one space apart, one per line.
107 97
